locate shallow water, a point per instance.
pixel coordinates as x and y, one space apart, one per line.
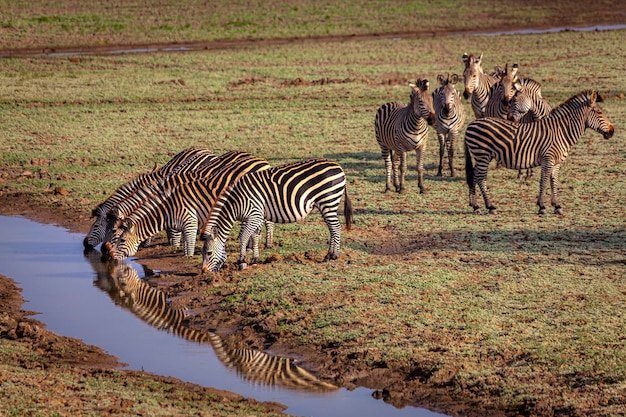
76 299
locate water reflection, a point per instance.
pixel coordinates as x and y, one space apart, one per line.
127 290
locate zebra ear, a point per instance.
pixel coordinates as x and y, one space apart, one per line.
514 71
441 79
479 60
454 78
466 59
596 97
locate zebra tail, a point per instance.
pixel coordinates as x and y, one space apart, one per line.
347 210
469 168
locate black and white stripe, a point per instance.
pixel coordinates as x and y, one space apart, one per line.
283 194
449 119
186 160
182 203
544 143
401 128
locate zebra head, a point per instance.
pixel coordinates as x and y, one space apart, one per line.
472 72
213 250
422 100
509 83
447 91
124 242
596 119
520 104
98 229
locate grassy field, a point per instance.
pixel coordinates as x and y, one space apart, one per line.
521 311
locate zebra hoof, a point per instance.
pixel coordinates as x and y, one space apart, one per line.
243 266
542 211
493 211
558 211
477 210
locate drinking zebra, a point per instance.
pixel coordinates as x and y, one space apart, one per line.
282 194
477 83
401 128
450 118
122 283
182 204
186 160
545 142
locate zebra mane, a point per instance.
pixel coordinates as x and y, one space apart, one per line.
582 98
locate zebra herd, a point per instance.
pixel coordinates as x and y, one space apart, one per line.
514 125
197 190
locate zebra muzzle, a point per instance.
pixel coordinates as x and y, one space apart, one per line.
609 133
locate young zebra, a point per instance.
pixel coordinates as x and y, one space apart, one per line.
187 160
182 206
282 194
450 118
545 142
477 83
401 128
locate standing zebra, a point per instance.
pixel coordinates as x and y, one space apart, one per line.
505 90
182 206
186 160
282 194
401 128
450 118
477 83
545 142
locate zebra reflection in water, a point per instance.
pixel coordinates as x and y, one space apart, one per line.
122 283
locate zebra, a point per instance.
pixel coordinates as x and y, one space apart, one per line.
186 160
525 107
545 142
401 128
282 194
505 90
477 83
140 195
183 206
126 289
450 118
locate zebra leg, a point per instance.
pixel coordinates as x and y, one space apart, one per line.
269 234
400 187
442 150
250 229
334 227
396 164
419 156
554 183
546 173
480 178
388 168
174 237
190 231
451 142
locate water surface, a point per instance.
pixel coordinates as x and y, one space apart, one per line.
60 282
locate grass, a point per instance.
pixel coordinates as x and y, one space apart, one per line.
528 307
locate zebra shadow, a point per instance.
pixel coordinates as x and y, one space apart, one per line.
121 282
512 241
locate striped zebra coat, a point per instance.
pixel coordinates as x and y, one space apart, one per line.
401 128
282 194
478 84
182 205
185 161
544 143
449 119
